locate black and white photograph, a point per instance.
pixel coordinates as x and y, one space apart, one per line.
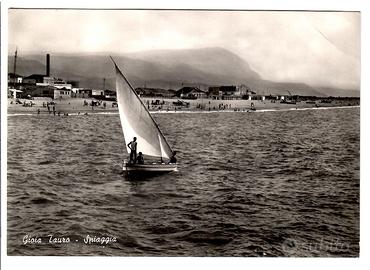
182 132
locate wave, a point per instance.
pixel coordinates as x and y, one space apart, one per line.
20 114
41 200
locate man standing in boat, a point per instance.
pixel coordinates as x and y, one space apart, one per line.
133 146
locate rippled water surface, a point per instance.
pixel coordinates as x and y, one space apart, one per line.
249 184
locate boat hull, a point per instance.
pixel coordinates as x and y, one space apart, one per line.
154 168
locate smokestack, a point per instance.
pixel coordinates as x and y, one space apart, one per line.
48 65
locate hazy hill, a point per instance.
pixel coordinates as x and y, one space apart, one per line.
26 66
216 61
163 68
339 92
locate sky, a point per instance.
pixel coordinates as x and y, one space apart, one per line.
317 48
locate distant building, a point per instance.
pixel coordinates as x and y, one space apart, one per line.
41 85
97 92
62 93
228 92
33 79
81 93
214 92
48 80
224 92
61 84
191 93
38 91
155 92
55 82
249 94
275 97
243 90
258 97
45 91
14 79
231 92
110 93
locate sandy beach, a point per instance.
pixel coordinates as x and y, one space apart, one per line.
76 105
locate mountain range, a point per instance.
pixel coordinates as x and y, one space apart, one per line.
168 69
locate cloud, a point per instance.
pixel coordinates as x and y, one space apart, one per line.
319 48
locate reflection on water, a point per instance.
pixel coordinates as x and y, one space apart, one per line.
258 184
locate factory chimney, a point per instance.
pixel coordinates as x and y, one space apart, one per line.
48 65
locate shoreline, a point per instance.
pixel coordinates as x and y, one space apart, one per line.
75 106
192 112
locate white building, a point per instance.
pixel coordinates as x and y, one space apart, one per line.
62 93
56 82
97 92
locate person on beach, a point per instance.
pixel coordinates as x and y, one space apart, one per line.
173 159
133 146
140 158
38 111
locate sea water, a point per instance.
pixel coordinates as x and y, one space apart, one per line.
274 183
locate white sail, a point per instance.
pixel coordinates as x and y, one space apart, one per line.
136 121
163 151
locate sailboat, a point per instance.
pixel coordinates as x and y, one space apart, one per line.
136 121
